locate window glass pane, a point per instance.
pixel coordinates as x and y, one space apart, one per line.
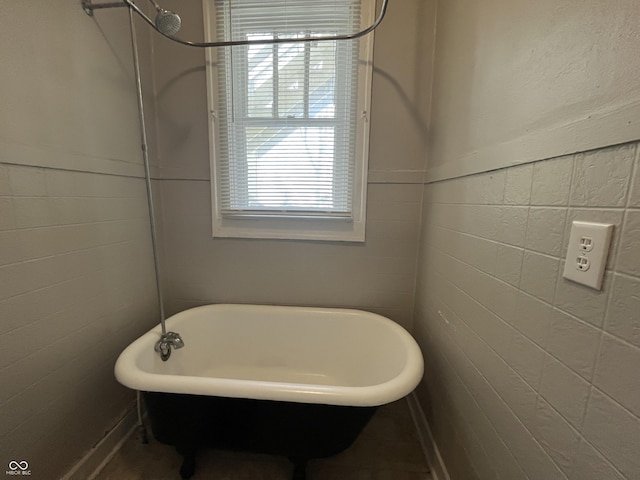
288 115
260 78
291 79
322 72
291 168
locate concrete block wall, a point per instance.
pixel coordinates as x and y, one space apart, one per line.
75 288
528 375
76 272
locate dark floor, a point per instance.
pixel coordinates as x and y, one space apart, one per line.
387 449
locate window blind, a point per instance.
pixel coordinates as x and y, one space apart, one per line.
287 112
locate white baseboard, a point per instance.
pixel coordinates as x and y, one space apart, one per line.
436 464
98 457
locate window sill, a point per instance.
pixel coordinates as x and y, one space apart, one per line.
333 230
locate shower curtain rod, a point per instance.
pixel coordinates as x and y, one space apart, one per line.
88 6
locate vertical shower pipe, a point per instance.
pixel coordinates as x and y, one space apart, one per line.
152 221
147 172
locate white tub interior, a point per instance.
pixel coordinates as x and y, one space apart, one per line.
311 355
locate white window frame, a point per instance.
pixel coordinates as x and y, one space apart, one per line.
350 229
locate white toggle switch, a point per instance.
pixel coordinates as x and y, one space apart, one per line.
587 253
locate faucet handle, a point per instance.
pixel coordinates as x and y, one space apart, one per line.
175 339
163 348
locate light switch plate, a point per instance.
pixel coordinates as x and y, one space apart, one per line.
587 253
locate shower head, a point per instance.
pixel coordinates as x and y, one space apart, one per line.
167 22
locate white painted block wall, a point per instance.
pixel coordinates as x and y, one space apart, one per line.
76 273
532 376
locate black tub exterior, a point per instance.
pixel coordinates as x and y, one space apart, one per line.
299 431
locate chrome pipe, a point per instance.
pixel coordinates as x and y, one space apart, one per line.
147 171
155 4
89 7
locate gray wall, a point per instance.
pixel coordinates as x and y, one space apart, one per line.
518 81
76 278
378 275
529 375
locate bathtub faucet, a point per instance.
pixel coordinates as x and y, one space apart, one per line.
168 340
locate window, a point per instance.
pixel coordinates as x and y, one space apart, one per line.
289 121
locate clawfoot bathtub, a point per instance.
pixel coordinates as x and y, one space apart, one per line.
294 381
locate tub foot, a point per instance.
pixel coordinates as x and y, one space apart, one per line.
188 467
299 468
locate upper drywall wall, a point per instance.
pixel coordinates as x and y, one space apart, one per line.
67 84
517 81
